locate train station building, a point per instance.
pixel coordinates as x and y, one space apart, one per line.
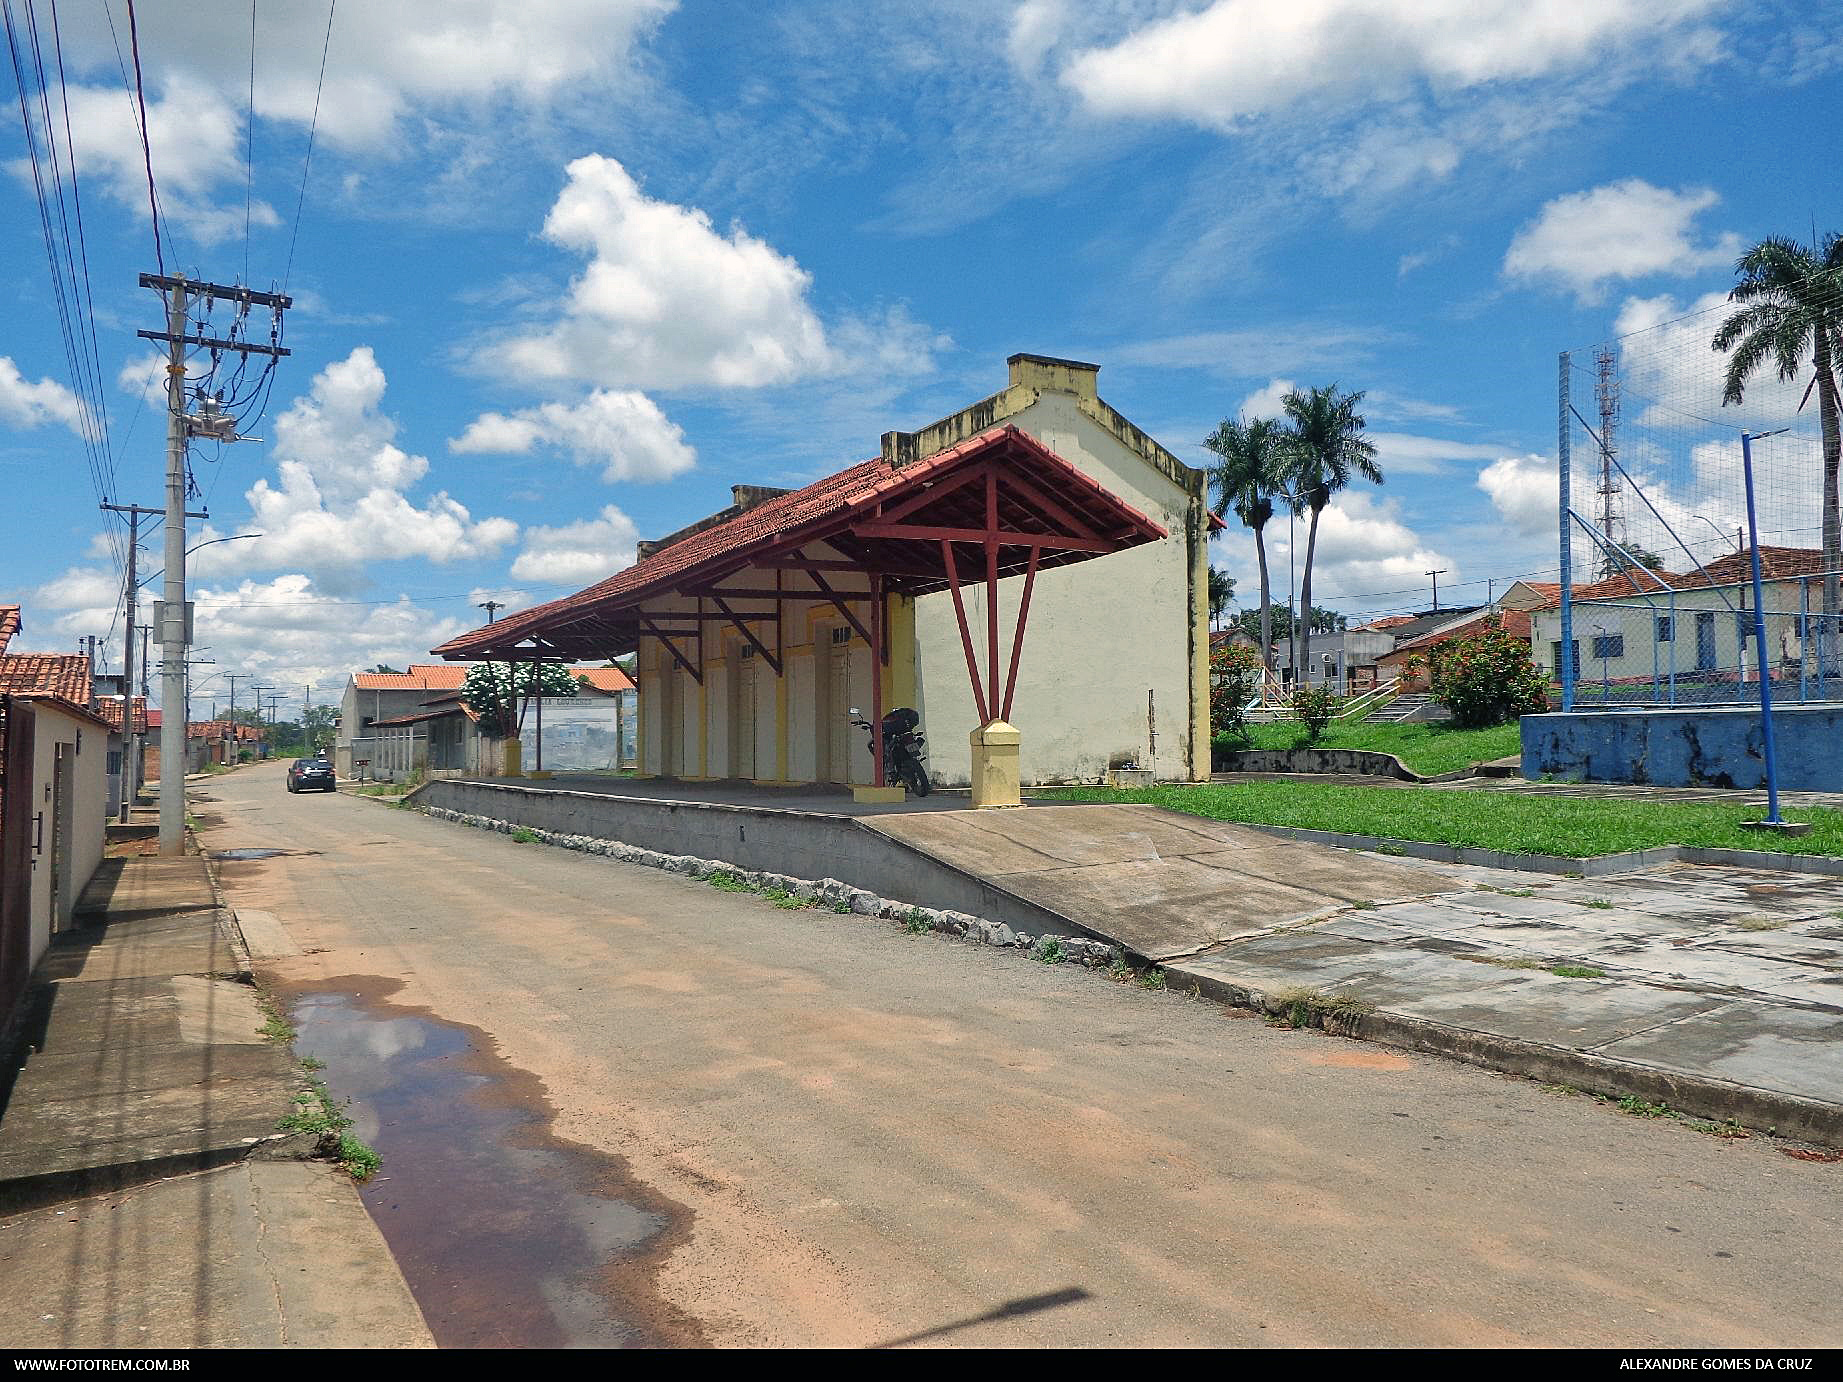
1029 574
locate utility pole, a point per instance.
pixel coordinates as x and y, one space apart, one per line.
131 737
492 608
180 294
235 750
1436 587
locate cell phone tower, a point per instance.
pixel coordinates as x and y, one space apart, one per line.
1611 493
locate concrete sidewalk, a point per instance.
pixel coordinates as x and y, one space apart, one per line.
1718 991
141 1077
141 1052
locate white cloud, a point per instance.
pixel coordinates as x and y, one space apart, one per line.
339 498
288 632
387 58
461 65
24 403
1621 231
1398 452
621 431
197 141
1237 59
1268 401
1673 376
670 302
1525 491
284 631
1364 548
578 553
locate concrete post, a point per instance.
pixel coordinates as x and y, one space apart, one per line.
995 765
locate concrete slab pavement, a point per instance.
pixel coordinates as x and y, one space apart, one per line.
264 1254
1160 883
141 1070
141 1050
1717 990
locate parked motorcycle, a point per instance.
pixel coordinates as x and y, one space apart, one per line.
904 748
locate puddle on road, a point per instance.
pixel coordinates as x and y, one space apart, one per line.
508 1236
243 854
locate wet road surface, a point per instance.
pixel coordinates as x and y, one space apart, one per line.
852 1135
511 1238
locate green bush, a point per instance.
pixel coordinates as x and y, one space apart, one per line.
1234 678
1487 678
1313 707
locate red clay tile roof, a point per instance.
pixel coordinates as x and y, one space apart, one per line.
416 717
110 708
64 675
9 624
1514 622
223 729
1388 622
1776 564
609 679
416 679
824 509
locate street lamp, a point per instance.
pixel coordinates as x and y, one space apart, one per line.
239 537
1293 646
1718 532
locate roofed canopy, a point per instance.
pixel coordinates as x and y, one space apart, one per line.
996 505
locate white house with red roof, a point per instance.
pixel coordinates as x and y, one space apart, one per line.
396 724
54 778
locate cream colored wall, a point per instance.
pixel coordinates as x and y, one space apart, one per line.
1101 633
89 805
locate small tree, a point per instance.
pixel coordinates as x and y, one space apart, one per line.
1234 679
1313 707
495 691
1487 678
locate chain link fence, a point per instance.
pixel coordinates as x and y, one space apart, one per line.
1657 602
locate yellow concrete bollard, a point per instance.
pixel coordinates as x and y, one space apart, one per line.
995 765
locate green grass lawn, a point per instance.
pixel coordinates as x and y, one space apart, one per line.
1426 748
1520 823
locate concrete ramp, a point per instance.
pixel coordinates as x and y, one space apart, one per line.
1158 882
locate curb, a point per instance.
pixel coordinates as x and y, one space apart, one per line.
1780 1115
1589 866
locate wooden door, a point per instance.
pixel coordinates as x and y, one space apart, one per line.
742 721
838 727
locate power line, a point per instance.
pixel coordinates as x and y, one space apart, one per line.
249 148
312 128
147 153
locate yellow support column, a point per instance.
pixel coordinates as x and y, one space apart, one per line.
995 765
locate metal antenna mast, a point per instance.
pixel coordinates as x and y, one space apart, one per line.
1612 502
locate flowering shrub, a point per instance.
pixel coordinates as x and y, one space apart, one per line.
1487 678
493 690
1313 707
1234 677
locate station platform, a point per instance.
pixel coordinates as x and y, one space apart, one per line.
1159 883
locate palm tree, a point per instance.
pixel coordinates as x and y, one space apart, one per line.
1323 448
1243 481
1793 302
1221 593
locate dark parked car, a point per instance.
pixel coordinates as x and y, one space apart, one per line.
311 774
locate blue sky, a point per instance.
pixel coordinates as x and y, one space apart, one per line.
568 269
